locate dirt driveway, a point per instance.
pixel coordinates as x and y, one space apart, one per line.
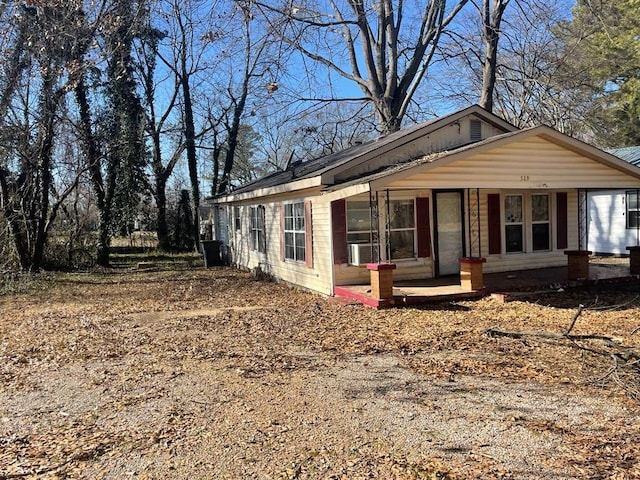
210 374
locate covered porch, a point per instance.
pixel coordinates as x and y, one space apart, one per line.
602 271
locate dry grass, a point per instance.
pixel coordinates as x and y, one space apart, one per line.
192 373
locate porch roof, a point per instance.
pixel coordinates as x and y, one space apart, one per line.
401 170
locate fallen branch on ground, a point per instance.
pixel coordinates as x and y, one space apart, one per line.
497 332
625 357
623 351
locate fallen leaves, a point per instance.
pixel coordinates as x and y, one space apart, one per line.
134 337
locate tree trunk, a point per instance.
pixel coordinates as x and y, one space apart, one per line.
190 145
162 228
491 33
49 106
15 225
90 147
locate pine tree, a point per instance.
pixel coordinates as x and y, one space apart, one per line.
605 37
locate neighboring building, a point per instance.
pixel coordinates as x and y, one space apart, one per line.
614 215
467 184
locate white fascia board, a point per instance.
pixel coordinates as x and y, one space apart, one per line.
346 192
276 190
542 131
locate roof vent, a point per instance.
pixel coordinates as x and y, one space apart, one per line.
475 127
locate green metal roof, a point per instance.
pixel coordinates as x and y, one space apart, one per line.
628 154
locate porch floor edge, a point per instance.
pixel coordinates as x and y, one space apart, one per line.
353 292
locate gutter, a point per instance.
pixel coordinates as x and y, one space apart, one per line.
268 191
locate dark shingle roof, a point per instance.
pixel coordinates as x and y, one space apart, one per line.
310 168
319 165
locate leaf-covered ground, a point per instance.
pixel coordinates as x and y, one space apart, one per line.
196 373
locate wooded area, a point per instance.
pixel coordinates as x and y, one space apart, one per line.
122 115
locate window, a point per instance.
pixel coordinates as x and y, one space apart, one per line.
513 223
540 231
258 237
294 232
358 222
524 215
633 209
402 229
236 218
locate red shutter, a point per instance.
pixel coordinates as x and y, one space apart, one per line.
308 240
423 227
339 231
282 232
495 231
562 240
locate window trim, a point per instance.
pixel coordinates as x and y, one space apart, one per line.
258 229
522 223
237 218
404 229
627 195
527 221
538 222
295 232
357 232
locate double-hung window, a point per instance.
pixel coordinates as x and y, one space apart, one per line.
527 223
513 223
358 221
258 237
236 218
402 229
540 225
294 231
633 208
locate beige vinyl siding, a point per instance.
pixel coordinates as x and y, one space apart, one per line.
448 137
521 261
318 277
531 163
322 264
405 270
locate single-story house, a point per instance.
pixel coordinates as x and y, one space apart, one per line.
468 184
614 215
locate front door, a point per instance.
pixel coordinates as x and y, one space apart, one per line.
449 232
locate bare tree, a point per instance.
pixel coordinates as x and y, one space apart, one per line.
163 131
526 78
249 63
491 13
388 45
183 54
42 64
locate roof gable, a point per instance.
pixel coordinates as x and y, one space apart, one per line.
380 153
505 162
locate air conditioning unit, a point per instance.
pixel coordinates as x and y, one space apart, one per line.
359 253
